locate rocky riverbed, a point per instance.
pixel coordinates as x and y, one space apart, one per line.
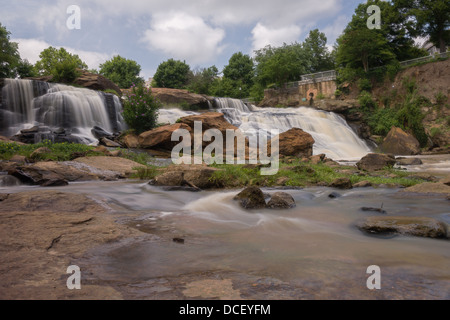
133 240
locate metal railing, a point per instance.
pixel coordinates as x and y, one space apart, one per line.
425 59
332 74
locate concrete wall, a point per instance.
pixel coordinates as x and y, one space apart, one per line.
292 97
325 88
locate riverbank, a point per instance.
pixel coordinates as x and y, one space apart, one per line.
132 240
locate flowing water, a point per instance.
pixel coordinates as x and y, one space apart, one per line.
28 103
313 251
332 135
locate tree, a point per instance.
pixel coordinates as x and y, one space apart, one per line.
316 46
202 80
52 59
172 74
240 68
9 54
25 69
140 110
121 71
429 18
282 64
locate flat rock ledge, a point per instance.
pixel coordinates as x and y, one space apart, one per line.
409 226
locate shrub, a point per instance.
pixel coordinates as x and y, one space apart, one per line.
366 101
409 84
364 85
140 109
338 93
65 72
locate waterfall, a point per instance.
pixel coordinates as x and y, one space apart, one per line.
28 103
332 134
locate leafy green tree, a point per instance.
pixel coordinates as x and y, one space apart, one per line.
279 65
52 59
140 110
9 54
429 18
240 68
121 71
25 69
172 74
202 80
316 46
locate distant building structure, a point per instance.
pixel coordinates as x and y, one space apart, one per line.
148 83
431 48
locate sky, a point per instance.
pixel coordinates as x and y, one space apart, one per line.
200 32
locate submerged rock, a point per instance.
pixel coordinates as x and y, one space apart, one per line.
411 226
281 200
251 198
409 161
194 176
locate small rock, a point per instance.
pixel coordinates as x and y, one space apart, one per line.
18 159
181 188
36 154
3 196
282 181
99 133
334 195
362 184
409 162
115 153
342 183
102 149
178 240
281 200
317 159
370 209
375 161
251 198
109 143
55 183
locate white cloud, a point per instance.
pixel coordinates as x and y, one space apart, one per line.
31 48
334 30
263 35
183 36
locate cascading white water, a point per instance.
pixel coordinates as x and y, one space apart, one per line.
172 115
331 133
28 103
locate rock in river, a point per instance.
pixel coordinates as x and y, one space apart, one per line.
251 198
281 200
411 226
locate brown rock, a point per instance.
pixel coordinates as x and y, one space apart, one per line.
251 198
131 141
209 120
399 142
281 200
429 187
409 162
375 161
18 159
161 138
342 183
296 142
412 226
317 159
191 175
36 154
96 82
120 167
362 184
177 97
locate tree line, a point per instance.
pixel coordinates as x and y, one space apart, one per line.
357 52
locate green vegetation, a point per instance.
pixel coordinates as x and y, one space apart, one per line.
59 63
300 174
172 74
140 110
148 173
9 54
58 151
121 71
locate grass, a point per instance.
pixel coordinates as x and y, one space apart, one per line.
298 174
58 151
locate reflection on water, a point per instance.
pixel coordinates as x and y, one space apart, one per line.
315 245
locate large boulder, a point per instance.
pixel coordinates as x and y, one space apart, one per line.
412 226
161 137
96 82
251 198
209 120
399 142
376 161
296 142
178 97
106 167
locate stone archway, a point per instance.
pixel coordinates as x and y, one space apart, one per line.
311 94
